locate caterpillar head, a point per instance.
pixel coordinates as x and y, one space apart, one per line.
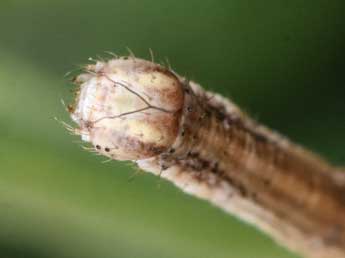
128 109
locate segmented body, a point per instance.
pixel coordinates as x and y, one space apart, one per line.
219 154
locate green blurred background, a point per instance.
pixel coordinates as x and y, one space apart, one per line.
281 60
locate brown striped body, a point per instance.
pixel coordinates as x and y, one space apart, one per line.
288 192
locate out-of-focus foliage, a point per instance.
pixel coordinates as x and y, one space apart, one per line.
282 61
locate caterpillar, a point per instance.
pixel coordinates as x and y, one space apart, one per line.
132 109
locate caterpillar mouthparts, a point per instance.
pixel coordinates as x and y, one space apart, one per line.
129 109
